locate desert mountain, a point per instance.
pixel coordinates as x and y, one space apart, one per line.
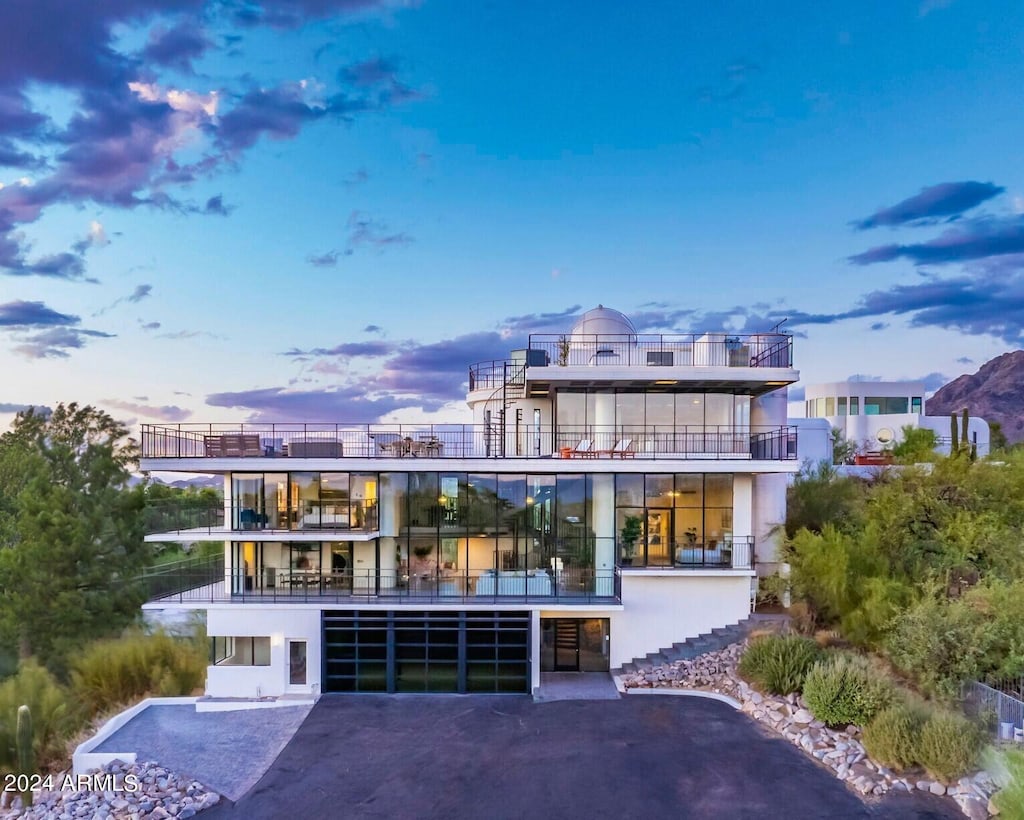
994 393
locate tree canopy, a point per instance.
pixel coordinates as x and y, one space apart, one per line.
925 564
71 536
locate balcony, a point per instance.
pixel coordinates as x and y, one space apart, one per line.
662 350
196 585
464 441
727 552
353 516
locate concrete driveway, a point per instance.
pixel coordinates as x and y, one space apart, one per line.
486 757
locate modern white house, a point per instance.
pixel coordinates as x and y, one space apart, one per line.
615 493
873 414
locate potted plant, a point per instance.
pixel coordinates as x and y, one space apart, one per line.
628 536
563 351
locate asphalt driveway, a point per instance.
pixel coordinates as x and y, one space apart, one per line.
508 757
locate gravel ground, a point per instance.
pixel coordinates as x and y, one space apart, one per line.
226 751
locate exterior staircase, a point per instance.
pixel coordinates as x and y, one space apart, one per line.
717 638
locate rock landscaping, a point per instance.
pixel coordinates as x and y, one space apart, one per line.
133 791
840 750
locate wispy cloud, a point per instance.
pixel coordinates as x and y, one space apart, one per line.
947 199
352 404
371 349
732 82
141 292
968 239
166 412
324 260
56 342
366 232
33 314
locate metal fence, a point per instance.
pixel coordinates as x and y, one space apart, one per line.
1007 706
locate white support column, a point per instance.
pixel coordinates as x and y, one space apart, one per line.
535 650
769 490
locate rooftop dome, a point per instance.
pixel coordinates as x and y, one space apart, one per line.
602 321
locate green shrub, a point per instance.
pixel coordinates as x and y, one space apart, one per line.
779 663
950 745
109 673
53 718
1008 770
845 689
893 737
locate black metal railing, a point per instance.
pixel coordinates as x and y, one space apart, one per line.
351 515
173 517
658 350
284 585
388 441
183 577
727 552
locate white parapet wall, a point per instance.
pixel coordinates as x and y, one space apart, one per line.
660 608
85 758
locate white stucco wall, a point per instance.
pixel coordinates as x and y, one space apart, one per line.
280 623
661 608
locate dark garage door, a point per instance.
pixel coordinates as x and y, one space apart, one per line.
399 651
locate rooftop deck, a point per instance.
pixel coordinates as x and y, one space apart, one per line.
465 441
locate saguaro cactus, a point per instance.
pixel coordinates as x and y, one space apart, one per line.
26 754
954 446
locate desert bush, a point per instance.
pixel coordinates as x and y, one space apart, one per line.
779 663
950 745
1008 770
54 718
844 689
119 671
893 736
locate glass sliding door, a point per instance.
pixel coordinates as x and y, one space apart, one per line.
247 510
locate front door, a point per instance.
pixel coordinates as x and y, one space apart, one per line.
297 663
567 645
574 644
659 529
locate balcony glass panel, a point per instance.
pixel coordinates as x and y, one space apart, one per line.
660 409
741 411
717 410
629 409
482 503
393 496
364 501
718 490
689 490
275 500
571 409
690 409
247 494
305 492
629 490
659 491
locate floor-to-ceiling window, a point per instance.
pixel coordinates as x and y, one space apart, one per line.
681 520
653 421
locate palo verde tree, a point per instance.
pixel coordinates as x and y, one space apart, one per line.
71 532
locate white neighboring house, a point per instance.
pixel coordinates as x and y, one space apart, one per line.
615 493
872 414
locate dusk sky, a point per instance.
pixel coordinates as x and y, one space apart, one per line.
324 210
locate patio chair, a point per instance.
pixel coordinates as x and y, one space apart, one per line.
585 449
624 448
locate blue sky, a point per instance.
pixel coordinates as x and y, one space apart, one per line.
220 210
